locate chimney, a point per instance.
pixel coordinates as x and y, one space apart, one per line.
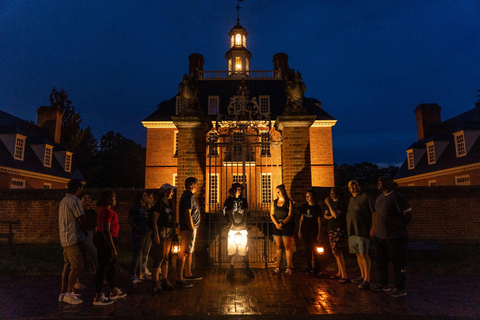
50 118
280 61
196 62
428 117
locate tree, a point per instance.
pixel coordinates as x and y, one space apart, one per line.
365 173
119 162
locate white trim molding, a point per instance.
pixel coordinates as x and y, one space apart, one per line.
439 173
323 123
33 174
159 124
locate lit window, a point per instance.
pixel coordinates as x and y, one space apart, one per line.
179 105
432 183
68 162
265 148
17 183
411 163
264 104
238 63
212 139
213 104
232 41
460 145
48 157
238 40
247 65
175 141
47 186
213 188
431 153
266 184
19 147
462 180
244 41
230 66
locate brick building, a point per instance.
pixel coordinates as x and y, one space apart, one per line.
31 156
447 153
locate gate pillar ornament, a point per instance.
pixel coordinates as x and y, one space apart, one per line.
296 163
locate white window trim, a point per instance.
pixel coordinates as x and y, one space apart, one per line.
175 143
268 199
411 164
50 158
22 181
430 152
456 135
174 182
211 98
68 164
260 103
47 186
432 183
463 183
23 139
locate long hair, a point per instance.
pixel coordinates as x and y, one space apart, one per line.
284 192
138 197
105 197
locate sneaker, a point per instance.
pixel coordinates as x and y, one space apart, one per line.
288 272
119 295
147 272
134 279
145 276
364 285
80 286
380 287
307 270
103 301
249 273
192 277
358 280
72 299
397 293
62 296
166 285
231 273
183 284
276 271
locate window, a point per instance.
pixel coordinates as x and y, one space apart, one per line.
213 104
230 66
68 162
47 186
432 183
266 185
462 180
460 145
232 41
19 147
17 183
244 41
242 179
264 104
213 188
247 65
238 63
238 139
48 156
411 163
175 143
212 139
431 153
179 105
174 179
238 39
265 148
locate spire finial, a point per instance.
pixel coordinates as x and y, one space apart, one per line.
238 11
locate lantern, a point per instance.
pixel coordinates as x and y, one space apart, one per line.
319 250
238 238
175 245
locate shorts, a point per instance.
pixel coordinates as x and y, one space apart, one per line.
187 244
287 230
74 256
358 244
336 237
161 252
241 247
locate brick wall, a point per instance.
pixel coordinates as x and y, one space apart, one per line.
443 214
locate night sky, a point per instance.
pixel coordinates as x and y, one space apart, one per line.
370 63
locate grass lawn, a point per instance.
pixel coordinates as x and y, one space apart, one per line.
45 259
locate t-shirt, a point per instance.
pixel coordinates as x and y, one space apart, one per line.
359 215
165 218
106 215
389 219
339 222
188 201
90 219
69 210
235 208
140 216
281 213
310 216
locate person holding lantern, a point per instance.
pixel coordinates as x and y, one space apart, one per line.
235 208
163 225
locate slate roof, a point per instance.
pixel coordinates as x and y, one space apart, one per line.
469 120
227 88
35 135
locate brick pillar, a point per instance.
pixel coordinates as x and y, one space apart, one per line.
296 169
192 132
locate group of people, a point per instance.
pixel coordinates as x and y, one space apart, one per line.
153 226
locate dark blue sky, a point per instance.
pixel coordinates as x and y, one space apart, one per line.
369 62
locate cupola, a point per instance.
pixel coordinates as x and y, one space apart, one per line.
238 57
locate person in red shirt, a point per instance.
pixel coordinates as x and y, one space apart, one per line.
107 249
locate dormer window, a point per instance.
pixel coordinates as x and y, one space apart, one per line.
47 162
213 104
19 147
431 153
460 144
68 162
264 102
411 161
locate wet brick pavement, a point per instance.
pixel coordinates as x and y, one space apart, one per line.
268 296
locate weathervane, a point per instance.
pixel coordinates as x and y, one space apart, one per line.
238 10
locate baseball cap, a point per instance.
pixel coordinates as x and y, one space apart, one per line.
165 187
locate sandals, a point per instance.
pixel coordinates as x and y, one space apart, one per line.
334 277
276 271
344 280
288 272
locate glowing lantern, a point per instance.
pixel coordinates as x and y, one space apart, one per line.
175 245
238 239
320 250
